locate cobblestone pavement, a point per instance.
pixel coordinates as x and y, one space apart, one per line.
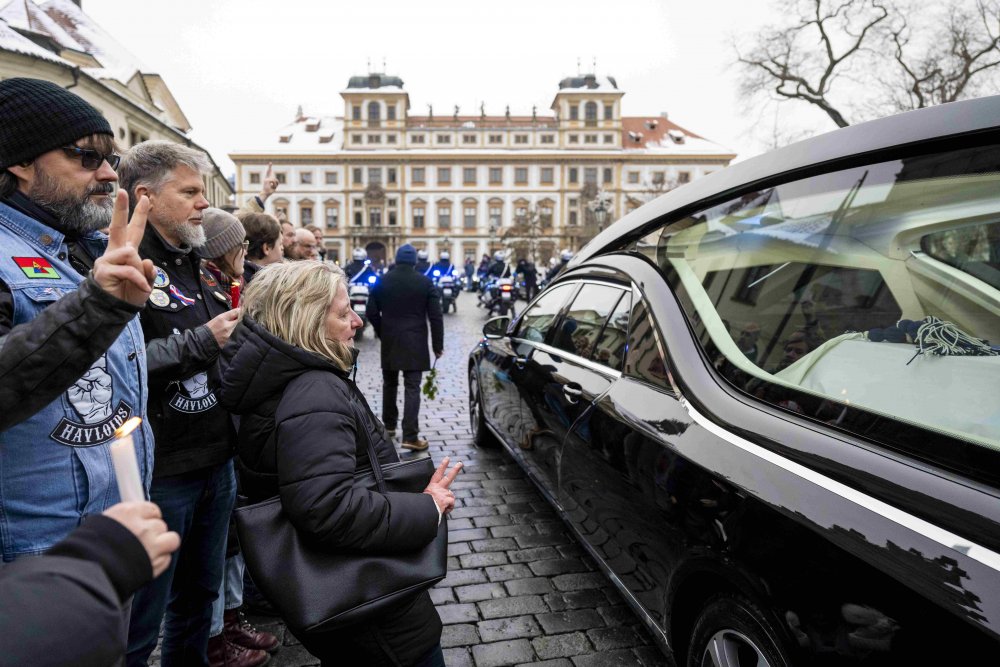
519 590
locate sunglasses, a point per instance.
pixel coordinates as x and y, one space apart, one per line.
92 159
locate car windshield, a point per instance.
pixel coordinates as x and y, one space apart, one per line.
874 287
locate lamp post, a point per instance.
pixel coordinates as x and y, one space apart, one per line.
493 233
600 207
446 245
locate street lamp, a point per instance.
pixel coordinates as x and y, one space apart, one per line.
600 206
446 242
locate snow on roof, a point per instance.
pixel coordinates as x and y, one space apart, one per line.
116 61
11 40
27 15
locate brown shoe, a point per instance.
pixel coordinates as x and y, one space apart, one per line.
417 445
238 630
224 653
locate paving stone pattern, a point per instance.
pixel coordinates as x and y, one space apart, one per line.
519 590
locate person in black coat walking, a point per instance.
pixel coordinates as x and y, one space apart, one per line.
286 374
399 308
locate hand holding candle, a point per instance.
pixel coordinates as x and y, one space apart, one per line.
234 294
126 466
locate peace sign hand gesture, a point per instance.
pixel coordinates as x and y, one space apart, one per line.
120 271
270 183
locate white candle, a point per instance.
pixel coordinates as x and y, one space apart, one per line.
126 465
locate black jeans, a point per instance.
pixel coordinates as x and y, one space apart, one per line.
411 402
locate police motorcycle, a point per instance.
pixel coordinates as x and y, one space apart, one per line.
498 292
362 277
445 276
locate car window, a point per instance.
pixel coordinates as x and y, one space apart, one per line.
579 328
610 347
819 295
974 249
644 358
537 320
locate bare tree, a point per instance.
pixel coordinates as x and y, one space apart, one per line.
948 62
860 58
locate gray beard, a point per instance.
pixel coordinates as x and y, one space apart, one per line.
190 235
75 215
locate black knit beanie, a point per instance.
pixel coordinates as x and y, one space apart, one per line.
37 116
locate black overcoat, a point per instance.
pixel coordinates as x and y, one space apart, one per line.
400 307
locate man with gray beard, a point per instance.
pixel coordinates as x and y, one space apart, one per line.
186 323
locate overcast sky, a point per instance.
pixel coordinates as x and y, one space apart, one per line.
239 68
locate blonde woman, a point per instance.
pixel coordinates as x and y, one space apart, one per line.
287 376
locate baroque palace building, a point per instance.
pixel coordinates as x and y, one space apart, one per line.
57 41
376 176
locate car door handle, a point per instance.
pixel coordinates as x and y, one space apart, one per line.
572 393
520 361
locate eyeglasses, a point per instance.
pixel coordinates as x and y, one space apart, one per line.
92 159
246 246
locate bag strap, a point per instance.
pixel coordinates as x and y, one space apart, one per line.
372 455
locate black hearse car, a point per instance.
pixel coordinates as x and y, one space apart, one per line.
768 402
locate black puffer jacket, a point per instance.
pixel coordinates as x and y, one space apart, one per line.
299 416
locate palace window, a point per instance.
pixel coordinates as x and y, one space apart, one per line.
393 219
521 175
418 175
444 175
390 175
332 216
374 138
574 112
282 177
468 138
683 176
359 218
547 175
608 175
496 215
444 217
572 218
469 216
574 138
633 177
357 138
254 179
417 139
520 138
590 175
390 112
609 138
375 217
356 112
574 175
418 218
469 176
545 216
496 138
306 214
548 139
590 113
444 138
496 176
609 112
590 139
374 113
359 203
306 178
330 178
374 174
356 177
390 138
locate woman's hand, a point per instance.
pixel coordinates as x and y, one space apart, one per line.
438 486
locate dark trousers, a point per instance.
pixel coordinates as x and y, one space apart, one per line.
197 505
411 402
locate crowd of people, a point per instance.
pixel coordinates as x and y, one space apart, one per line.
232 340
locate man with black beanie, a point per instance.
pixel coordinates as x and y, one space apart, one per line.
72 359
399 308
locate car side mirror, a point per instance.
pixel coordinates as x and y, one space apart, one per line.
496 327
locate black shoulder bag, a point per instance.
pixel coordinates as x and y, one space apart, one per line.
317 589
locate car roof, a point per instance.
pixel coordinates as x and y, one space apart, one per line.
911 128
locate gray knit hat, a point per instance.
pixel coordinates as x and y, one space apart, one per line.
223 232
38 116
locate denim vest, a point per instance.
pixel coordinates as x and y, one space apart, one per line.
55 467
